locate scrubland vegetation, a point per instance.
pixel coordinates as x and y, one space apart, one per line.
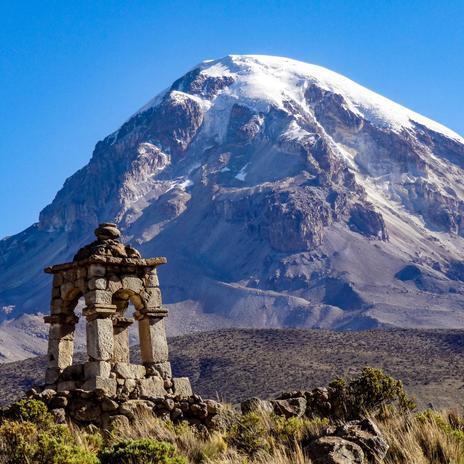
29 435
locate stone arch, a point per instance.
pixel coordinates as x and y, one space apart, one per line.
121 322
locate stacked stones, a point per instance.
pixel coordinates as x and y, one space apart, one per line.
84 408
109 275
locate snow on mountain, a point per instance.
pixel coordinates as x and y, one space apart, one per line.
282 193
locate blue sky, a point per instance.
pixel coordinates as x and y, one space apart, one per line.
72 71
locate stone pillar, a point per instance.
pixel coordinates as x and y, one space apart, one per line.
100 340
121 339
153 342
60 345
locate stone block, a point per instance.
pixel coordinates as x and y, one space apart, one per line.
66 290
163 369
57 306
56 292
97 369
182 386
96 297
152 387
106 386
114 283
153 342
60 353
97 283
96 270
152 279
132 283
107 404
81 273
67 385
121 351
152 297
73 372
100 339
51 375
70 275
57 280
136 408
129 371
81 284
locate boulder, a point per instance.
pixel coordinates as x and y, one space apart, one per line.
367 435
293 407
256 404
334 450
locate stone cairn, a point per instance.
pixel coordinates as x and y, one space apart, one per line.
108 388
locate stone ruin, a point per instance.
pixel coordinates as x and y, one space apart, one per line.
109 275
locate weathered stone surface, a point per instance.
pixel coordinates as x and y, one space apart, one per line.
256 404
367 435
100 339
153 342
152 279
60 353
96 270
335 450
293 407
132 283
114 283
182 386
106 386
121 351
152 297
61 332
97 369
85 411
129 371
66 385
135 408
151 387
96 297
162 369
107 404
97 283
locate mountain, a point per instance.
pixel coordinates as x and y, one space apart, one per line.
283 195
266 362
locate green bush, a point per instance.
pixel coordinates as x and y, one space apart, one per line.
249 433
34 411
25 442
142 451
367 394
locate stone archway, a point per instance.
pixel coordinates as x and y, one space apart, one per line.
109 275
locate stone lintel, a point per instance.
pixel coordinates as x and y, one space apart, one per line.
68 319
151 313
98 311
122 322
107 260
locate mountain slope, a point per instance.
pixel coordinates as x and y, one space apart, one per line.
283 194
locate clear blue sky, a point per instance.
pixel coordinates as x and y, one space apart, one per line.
72 71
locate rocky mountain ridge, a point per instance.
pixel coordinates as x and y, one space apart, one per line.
283 194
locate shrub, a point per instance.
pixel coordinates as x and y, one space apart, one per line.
249 433
29 410
367 394
142 451
24 442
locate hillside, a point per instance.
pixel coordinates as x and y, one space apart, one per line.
236 364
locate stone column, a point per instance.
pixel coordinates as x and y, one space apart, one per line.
100 341
121 339
153 342
60 344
